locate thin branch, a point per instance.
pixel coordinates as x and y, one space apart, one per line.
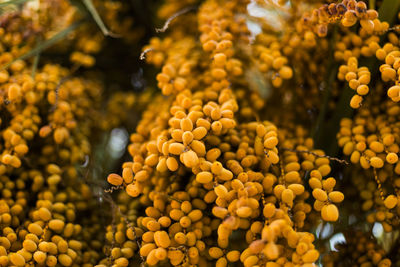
62 80
342 161
175 15
54 107
143 54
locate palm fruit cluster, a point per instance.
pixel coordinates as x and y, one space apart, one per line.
237 133
226 158
49 214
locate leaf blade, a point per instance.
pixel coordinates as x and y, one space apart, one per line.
96 16
388 11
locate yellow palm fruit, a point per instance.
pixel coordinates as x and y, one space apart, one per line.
162 239
233 255
176 148
172 164
221 191
215 252
376 162
298 189
336 196
161 253
256 246
64 260
199 148
186 125
187 137
310 256
278 189
388 74
244 212
392 158
127 174
56 225
287 197
35 228
219 59
17 259
362 89
14 92
152 259
390 201
180 238
272 157
329 213
132 190
271 251
114 179
315 183
251 261
219 212
301 248
376 146
286 73
122 262
146 248
193 252
270 142
44 214
380 54
190 159
221 262
185 221
394 92
175 256
385 263
39 257
328 184
44 246
319 194
29 245
356 101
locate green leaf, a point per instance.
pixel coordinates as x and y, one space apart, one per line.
388 10
45 44
80 6
35 64
371 4
92 9
12 2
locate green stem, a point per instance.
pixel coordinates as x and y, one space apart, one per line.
35 65
93 11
